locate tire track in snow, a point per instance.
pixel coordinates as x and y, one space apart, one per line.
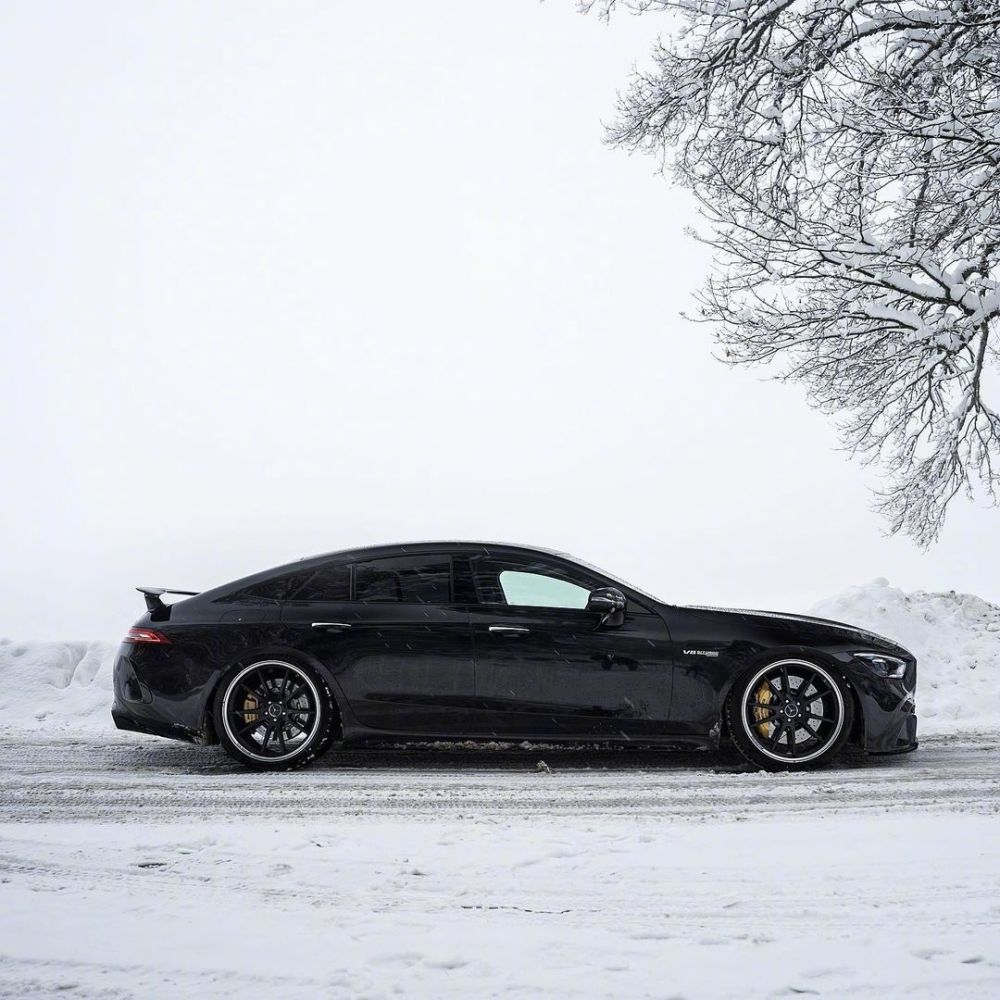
123 781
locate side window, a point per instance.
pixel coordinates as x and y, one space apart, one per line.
277 588
405 580
538 591
530 583
329 583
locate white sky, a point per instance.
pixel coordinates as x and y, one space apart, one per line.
281 278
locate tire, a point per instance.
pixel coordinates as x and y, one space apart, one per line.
792 714
274 715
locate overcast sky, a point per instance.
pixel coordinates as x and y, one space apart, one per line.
283 278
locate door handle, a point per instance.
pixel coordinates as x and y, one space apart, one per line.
509 630
331 626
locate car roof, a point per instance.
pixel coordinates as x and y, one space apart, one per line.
429 546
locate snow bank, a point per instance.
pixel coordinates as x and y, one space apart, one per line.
955 638
56 685
49 686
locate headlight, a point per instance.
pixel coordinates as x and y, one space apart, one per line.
882 665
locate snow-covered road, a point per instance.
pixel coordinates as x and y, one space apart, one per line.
137 779
136 867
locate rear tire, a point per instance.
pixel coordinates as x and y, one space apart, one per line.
273 715
790 715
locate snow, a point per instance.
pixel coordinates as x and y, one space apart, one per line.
156 869
517 909
54 687
955 638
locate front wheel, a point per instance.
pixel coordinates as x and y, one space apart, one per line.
789 715
273 715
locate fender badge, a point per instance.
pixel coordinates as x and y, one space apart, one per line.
701 652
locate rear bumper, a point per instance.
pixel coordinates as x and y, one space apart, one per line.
132 723
152 695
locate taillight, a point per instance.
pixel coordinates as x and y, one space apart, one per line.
145 635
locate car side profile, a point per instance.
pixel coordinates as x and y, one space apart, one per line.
475 641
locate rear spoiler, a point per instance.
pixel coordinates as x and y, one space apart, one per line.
153 596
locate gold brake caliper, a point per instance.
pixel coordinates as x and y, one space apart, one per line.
250 706
763 697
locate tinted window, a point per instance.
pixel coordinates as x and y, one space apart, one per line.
530 583
328 583
278 588
406 579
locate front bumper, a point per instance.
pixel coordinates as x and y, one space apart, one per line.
899 737
888 711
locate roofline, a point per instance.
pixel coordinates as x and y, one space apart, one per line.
402 548
426 546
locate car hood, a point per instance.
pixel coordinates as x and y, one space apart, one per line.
860 634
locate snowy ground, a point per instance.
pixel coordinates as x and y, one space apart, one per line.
131 867
136 867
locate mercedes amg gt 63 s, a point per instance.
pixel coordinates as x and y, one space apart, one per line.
474 641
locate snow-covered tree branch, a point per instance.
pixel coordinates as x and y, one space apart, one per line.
845 154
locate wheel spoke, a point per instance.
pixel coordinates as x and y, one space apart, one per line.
821 718
791 739
254 692
785 686
298 692
249 727
819 694
280 732
779 728
804 686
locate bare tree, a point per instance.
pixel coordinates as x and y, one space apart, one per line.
845 154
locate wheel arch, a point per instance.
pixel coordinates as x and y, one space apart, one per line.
294 656
765 656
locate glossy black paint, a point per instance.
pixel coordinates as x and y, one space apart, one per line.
474 668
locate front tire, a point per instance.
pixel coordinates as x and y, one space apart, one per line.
790 715
273 715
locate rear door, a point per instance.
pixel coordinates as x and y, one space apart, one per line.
545 666
396 642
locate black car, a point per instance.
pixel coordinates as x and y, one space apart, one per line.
474 641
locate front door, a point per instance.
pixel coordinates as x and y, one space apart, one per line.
546 667
399 649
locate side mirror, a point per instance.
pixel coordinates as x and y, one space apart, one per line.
609 603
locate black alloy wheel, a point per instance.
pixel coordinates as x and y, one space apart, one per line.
790 714
273 715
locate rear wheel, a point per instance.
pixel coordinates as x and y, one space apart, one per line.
273 715
789 715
